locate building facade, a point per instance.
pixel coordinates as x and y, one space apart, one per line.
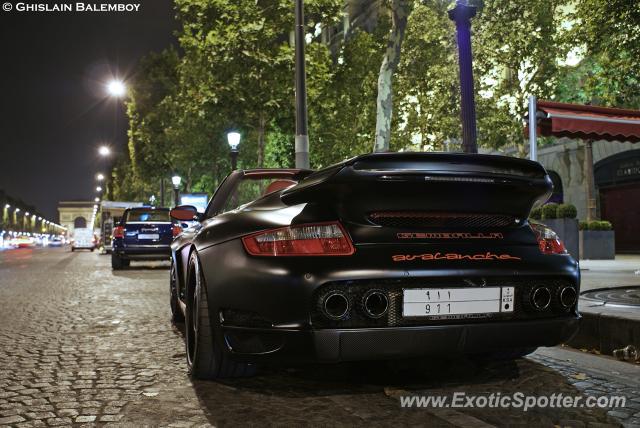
616 168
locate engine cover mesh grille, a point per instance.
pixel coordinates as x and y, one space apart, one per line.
420 219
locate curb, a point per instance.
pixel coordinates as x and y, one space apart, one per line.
605 329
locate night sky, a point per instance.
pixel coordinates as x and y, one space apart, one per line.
54 109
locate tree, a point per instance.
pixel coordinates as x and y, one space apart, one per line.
513 61
400 10
609 33
426 90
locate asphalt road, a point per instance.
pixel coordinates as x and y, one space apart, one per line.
80 344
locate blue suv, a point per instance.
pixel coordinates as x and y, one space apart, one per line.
144 233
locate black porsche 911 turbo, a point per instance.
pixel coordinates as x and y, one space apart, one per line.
383 256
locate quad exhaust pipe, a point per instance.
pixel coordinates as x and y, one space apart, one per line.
336 305
375 304
541 298
568 297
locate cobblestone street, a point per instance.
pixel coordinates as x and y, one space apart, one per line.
80 344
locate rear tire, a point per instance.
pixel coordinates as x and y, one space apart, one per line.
117 262
176 312
205 359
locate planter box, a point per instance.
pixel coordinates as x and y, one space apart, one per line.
567 229
597 244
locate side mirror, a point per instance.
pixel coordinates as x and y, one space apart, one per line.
185 213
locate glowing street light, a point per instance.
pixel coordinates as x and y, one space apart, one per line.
97 199
116 88
98 189
104 151
233 138
100 177
176 180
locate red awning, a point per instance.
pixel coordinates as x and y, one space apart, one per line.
588 122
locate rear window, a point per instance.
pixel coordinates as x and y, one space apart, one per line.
251 188
147 216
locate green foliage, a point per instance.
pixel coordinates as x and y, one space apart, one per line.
549 211
235 72
608 30
427 100
595 225
342 117
517 46
566 211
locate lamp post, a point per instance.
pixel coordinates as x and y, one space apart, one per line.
176 179
302 137
234 141
462 14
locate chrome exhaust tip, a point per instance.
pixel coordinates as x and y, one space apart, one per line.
541 298
375 304
336 305
568 297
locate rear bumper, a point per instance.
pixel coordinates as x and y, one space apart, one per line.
83 246
143 252
334 345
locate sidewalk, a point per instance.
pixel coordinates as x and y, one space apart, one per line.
610 320
620 272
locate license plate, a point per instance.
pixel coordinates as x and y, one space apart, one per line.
456 302
153 236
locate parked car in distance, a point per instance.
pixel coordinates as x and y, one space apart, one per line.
83 239
56 241
143 233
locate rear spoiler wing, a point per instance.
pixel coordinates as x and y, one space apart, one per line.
427 181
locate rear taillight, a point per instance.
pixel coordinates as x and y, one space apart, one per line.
325 239
118 232
548 240
177 230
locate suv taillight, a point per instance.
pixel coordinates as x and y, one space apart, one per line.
548 240
177 230
324 239
118 232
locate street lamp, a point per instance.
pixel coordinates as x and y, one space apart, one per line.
176 179
116 88
97 199
100 177
104 151
234 141
98 189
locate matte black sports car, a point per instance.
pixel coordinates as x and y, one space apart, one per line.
383 256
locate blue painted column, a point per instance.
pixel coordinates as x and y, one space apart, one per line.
462 14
